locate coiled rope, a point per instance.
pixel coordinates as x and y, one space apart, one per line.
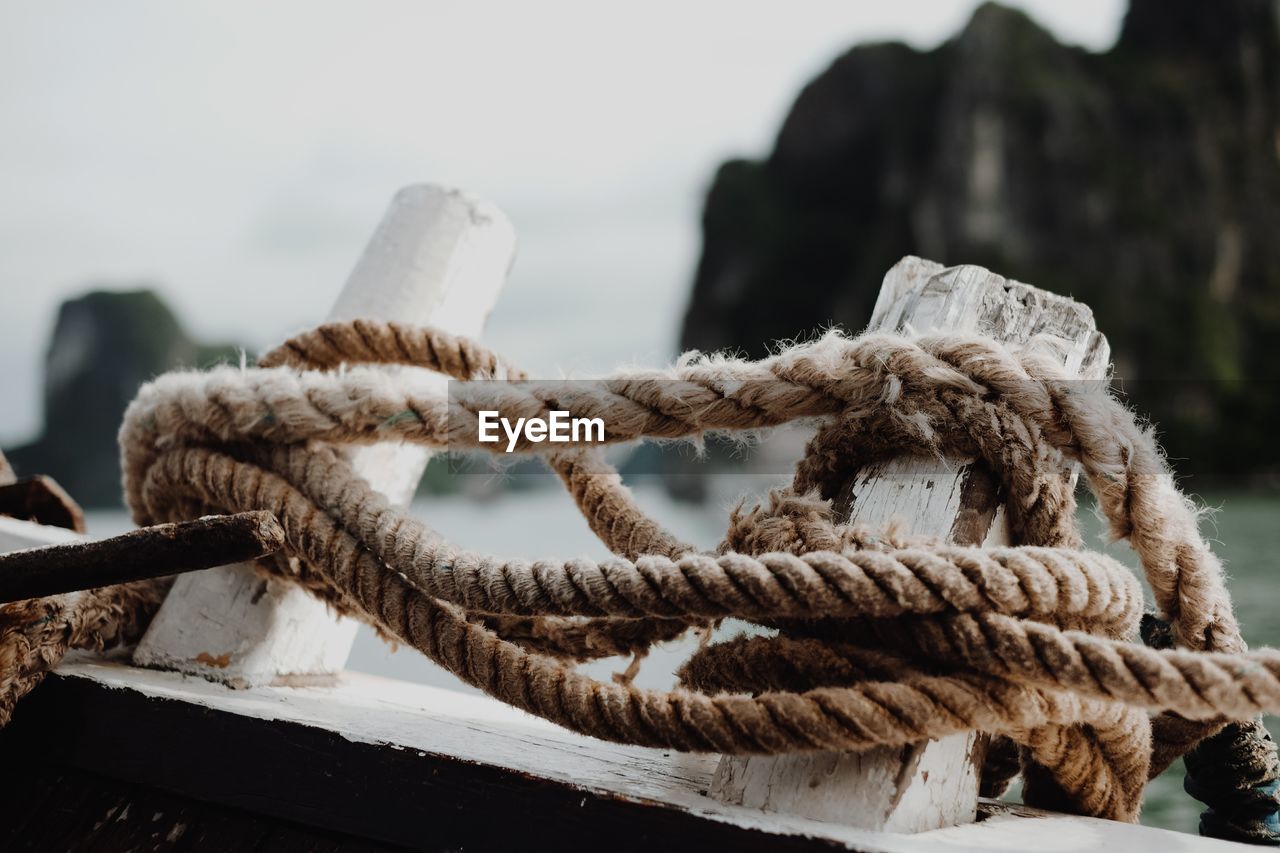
881 638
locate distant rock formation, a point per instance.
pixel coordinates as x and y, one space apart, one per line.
104 346
1144 181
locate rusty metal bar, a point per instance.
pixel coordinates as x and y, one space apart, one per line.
151 552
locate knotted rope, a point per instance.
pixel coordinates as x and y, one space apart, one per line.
880 638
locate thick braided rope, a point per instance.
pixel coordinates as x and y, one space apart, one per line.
1123 465
35 635
983 639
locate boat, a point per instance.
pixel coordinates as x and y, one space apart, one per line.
228 722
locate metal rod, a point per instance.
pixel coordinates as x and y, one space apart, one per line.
150 552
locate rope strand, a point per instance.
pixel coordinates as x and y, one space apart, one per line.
878 638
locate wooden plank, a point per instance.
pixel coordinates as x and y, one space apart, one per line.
395 763
431 769
42 500
17 533
438 256
7 475
59 807
934 784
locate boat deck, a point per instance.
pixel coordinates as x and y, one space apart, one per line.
369 763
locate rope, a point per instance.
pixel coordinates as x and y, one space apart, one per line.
1236 772
36 634
879 638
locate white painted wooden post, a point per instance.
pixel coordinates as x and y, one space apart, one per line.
933 784
438 256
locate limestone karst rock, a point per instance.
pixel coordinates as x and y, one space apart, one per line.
1143 180
105 344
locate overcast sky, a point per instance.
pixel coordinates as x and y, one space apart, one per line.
236 155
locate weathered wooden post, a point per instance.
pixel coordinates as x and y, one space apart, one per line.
438 256
933 784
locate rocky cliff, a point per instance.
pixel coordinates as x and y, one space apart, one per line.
105 344
1144 181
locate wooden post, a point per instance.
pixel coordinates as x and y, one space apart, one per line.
933 784
439 257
